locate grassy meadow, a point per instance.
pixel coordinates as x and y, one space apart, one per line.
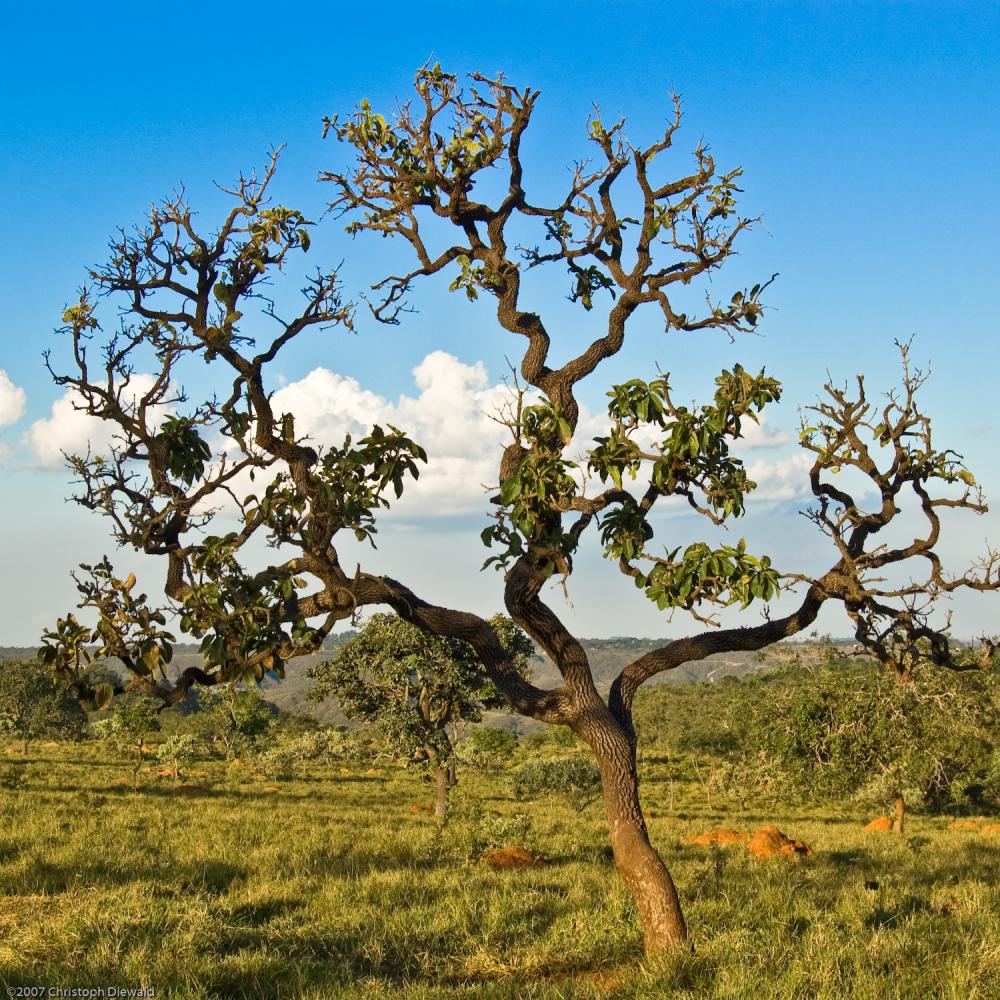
331 885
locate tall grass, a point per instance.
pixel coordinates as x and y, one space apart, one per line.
332 887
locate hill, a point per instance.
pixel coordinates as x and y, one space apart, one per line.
607 657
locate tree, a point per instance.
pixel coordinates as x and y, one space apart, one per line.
844 731
238 718
131 722
188 296
34 705
176 751
415 688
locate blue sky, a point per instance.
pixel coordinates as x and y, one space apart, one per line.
869 135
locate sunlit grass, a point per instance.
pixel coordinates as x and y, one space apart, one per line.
332 887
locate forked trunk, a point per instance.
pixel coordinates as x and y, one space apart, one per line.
442 784
897 823
645 874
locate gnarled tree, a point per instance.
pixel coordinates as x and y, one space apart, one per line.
187 296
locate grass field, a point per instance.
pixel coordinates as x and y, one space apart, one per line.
331 886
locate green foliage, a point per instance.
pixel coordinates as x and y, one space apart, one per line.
488 748
35 705
127 628
493 831
178 750
237 718
278 761
847 730
413 687
351 483
131 722
572 777
186 451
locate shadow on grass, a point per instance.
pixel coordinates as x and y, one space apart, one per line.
210 876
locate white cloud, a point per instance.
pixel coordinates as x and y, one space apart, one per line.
782 479
12 400
72 431
450 417
759 436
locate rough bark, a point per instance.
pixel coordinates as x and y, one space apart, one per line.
636 859
442 786
900 815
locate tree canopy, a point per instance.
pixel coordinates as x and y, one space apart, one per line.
635 228
34 705
415 688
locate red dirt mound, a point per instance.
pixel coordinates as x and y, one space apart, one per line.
270 788
881 824
510 857
192 789
769 841
991 830
721 836
963 824
421 809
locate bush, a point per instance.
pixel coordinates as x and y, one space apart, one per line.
573 777
176 751
487 748
493 831
34 705
278 762
849 731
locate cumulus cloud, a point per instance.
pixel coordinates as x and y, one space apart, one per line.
781 479
71 431
756 436
450 416
12 400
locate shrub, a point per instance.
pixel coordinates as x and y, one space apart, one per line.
572 777
177 750
487 748
492 831
279 760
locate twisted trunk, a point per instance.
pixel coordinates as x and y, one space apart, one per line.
643 870
442 784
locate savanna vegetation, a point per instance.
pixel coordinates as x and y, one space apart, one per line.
326 874
201 482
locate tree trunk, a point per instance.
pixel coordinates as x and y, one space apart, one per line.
645 874
441 798
897 823
24 747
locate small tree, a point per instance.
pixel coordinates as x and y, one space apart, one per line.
238 718
35 705
415 688
176 751
131 722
